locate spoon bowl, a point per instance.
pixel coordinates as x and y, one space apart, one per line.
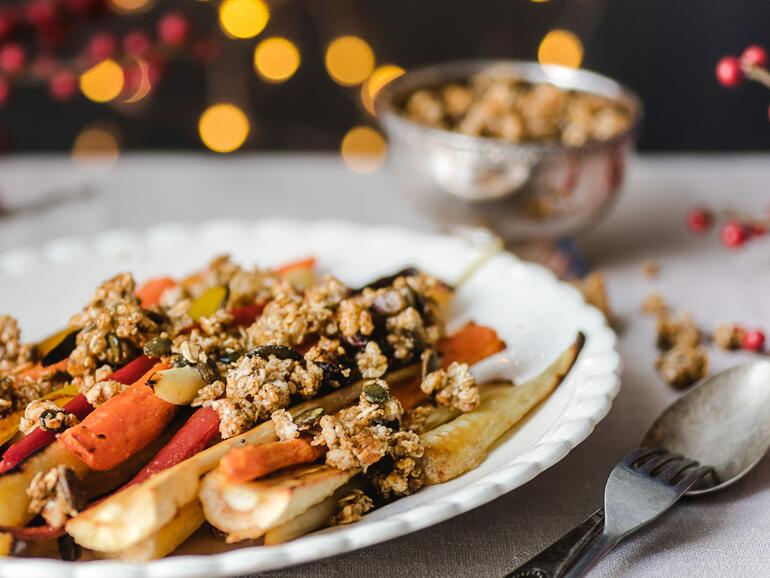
723 422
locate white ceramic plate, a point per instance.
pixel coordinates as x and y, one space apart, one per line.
535 314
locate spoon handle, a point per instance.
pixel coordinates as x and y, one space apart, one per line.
559 557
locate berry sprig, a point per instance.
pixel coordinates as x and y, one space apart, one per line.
736 228
752 65
34 36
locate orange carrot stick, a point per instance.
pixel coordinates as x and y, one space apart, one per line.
122 426
38 369
308 263
150 292
251 462
470 344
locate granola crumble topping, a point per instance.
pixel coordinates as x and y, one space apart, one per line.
351 508
46 415
285 428
113 329
55 495
102 391
371 361
454 387
362 435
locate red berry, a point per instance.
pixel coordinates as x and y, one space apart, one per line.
63 85
734 234
40 12
754 56
5 91
8 21
101 46
173 28
12 58
44 65
699 220
137 43
754 340
729 72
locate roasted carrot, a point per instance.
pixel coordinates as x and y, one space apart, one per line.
251 462
39 439
470 344
308 263
195 435
38 369
150 292
125 424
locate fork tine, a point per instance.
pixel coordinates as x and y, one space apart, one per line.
639 454
672 470
657 462
692 478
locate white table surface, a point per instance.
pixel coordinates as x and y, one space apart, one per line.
722 535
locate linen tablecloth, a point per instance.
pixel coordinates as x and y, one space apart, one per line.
720 535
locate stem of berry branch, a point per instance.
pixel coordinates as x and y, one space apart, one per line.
758 74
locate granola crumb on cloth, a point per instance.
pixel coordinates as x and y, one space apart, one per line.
351 508
682 365
651 269
729 336
54 495
654 305
594 289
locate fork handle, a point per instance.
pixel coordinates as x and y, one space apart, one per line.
559 557
591 557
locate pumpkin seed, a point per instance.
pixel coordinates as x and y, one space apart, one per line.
157 347
208 370
308 417
115 346
279 351
373 392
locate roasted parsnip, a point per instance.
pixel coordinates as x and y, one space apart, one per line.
462 444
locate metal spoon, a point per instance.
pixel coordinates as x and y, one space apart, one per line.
723 422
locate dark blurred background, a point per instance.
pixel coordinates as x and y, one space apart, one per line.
665 50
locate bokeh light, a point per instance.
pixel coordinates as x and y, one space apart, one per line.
363 149
103 82
243 18
96 147
131 5
561 47
349 60
138 81
381 76
223 127
276 59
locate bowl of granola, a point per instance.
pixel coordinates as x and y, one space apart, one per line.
529 151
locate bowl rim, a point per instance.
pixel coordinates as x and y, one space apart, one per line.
561 76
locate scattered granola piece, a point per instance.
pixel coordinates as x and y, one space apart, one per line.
654 305
351 508
56 495
729 336
682 365
594 290
453 387
651 269
235 415
677 332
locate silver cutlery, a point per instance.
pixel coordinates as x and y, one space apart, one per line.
724 422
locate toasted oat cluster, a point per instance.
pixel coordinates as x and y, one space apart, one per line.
113 328
359 437
502 106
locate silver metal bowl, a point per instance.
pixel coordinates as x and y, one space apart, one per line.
520 191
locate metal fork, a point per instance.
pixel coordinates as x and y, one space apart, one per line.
641 487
